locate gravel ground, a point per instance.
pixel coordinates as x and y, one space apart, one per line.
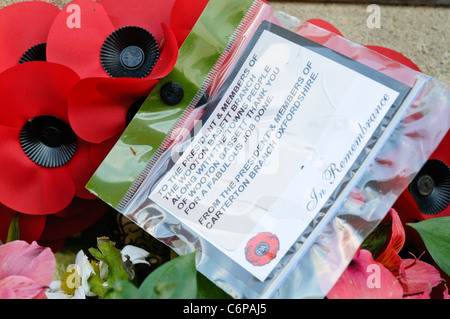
422 33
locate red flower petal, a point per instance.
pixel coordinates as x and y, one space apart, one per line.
169 55
325 25
79 47
31 227
23 25
101 150
6 216
185 14
389 257
27 89
27 187
147 14
81 169
58 228
365 278
98 106
77 206
394 55
419 276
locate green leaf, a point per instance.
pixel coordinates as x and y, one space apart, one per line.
96 285
208 290
125 290
376 239
176 279
436 237
111 256
13 232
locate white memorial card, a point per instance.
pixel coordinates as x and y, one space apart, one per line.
289 125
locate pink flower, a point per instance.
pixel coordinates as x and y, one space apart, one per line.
388 276
26 270
359 282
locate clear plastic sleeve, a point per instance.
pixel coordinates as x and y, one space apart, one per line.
403 139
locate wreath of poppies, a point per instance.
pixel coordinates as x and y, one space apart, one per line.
68 92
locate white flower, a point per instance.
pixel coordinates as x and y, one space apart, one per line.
74 283
54 292
137 255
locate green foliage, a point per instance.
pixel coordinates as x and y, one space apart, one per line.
112 257
436 237
208 290
13 232
176 279
377 237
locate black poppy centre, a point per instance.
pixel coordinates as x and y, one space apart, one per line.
431 187
129 52
48 141
37 52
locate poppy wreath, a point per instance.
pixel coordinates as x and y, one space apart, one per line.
47 159
120 53
58 97
44 165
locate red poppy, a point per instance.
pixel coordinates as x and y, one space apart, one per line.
77 217
119 50
100 108
114 38
52 230
24 29
262 248
6 216
184 15
43 163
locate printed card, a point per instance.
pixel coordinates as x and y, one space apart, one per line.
289 126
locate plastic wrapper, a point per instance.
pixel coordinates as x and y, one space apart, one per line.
290 145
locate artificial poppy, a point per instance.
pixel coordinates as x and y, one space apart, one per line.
24 28
77 217
262 248
30 227
119 51
52 230
43 163
114 38
101 108
184 15
6 216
